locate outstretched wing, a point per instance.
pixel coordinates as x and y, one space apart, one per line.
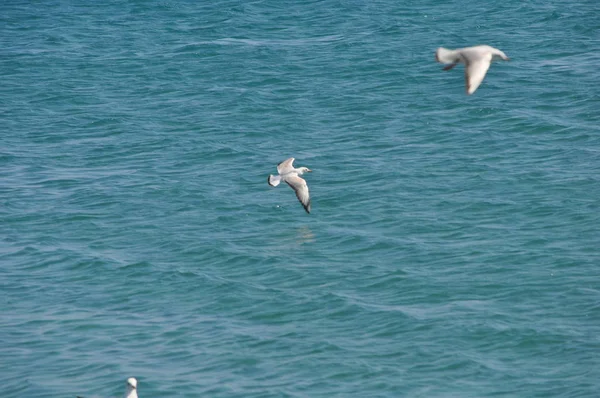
475 70
285 166
299 186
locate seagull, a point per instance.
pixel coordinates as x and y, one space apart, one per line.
477 61
130 390
291 176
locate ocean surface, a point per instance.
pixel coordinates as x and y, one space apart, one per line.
453 248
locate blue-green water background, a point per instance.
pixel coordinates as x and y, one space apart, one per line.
453 247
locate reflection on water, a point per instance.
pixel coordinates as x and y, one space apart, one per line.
305 235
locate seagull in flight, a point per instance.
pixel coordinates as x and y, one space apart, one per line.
291 176
477 61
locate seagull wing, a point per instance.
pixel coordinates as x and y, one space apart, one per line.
285 166
299 186
475 70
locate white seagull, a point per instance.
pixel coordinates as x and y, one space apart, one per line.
477 61
130 390
291 176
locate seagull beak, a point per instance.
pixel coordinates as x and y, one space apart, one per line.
309 170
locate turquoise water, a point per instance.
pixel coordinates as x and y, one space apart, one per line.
454 241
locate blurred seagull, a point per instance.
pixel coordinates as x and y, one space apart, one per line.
291 176
130 390
477 61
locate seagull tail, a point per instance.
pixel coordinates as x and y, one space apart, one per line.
499 54
273 180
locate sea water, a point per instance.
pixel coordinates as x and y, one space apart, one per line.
453 248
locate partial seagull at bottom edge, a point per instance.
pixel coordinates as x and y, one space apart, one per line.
291 176
477 60
130 389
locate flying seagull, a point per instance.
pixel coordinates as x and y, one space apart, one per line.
477 61
130 390
291 176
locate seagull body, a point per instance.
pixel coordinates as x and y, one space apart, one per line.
477 61
131 389
291 176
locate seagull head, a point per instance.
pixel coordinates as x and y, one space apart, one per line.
132 383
